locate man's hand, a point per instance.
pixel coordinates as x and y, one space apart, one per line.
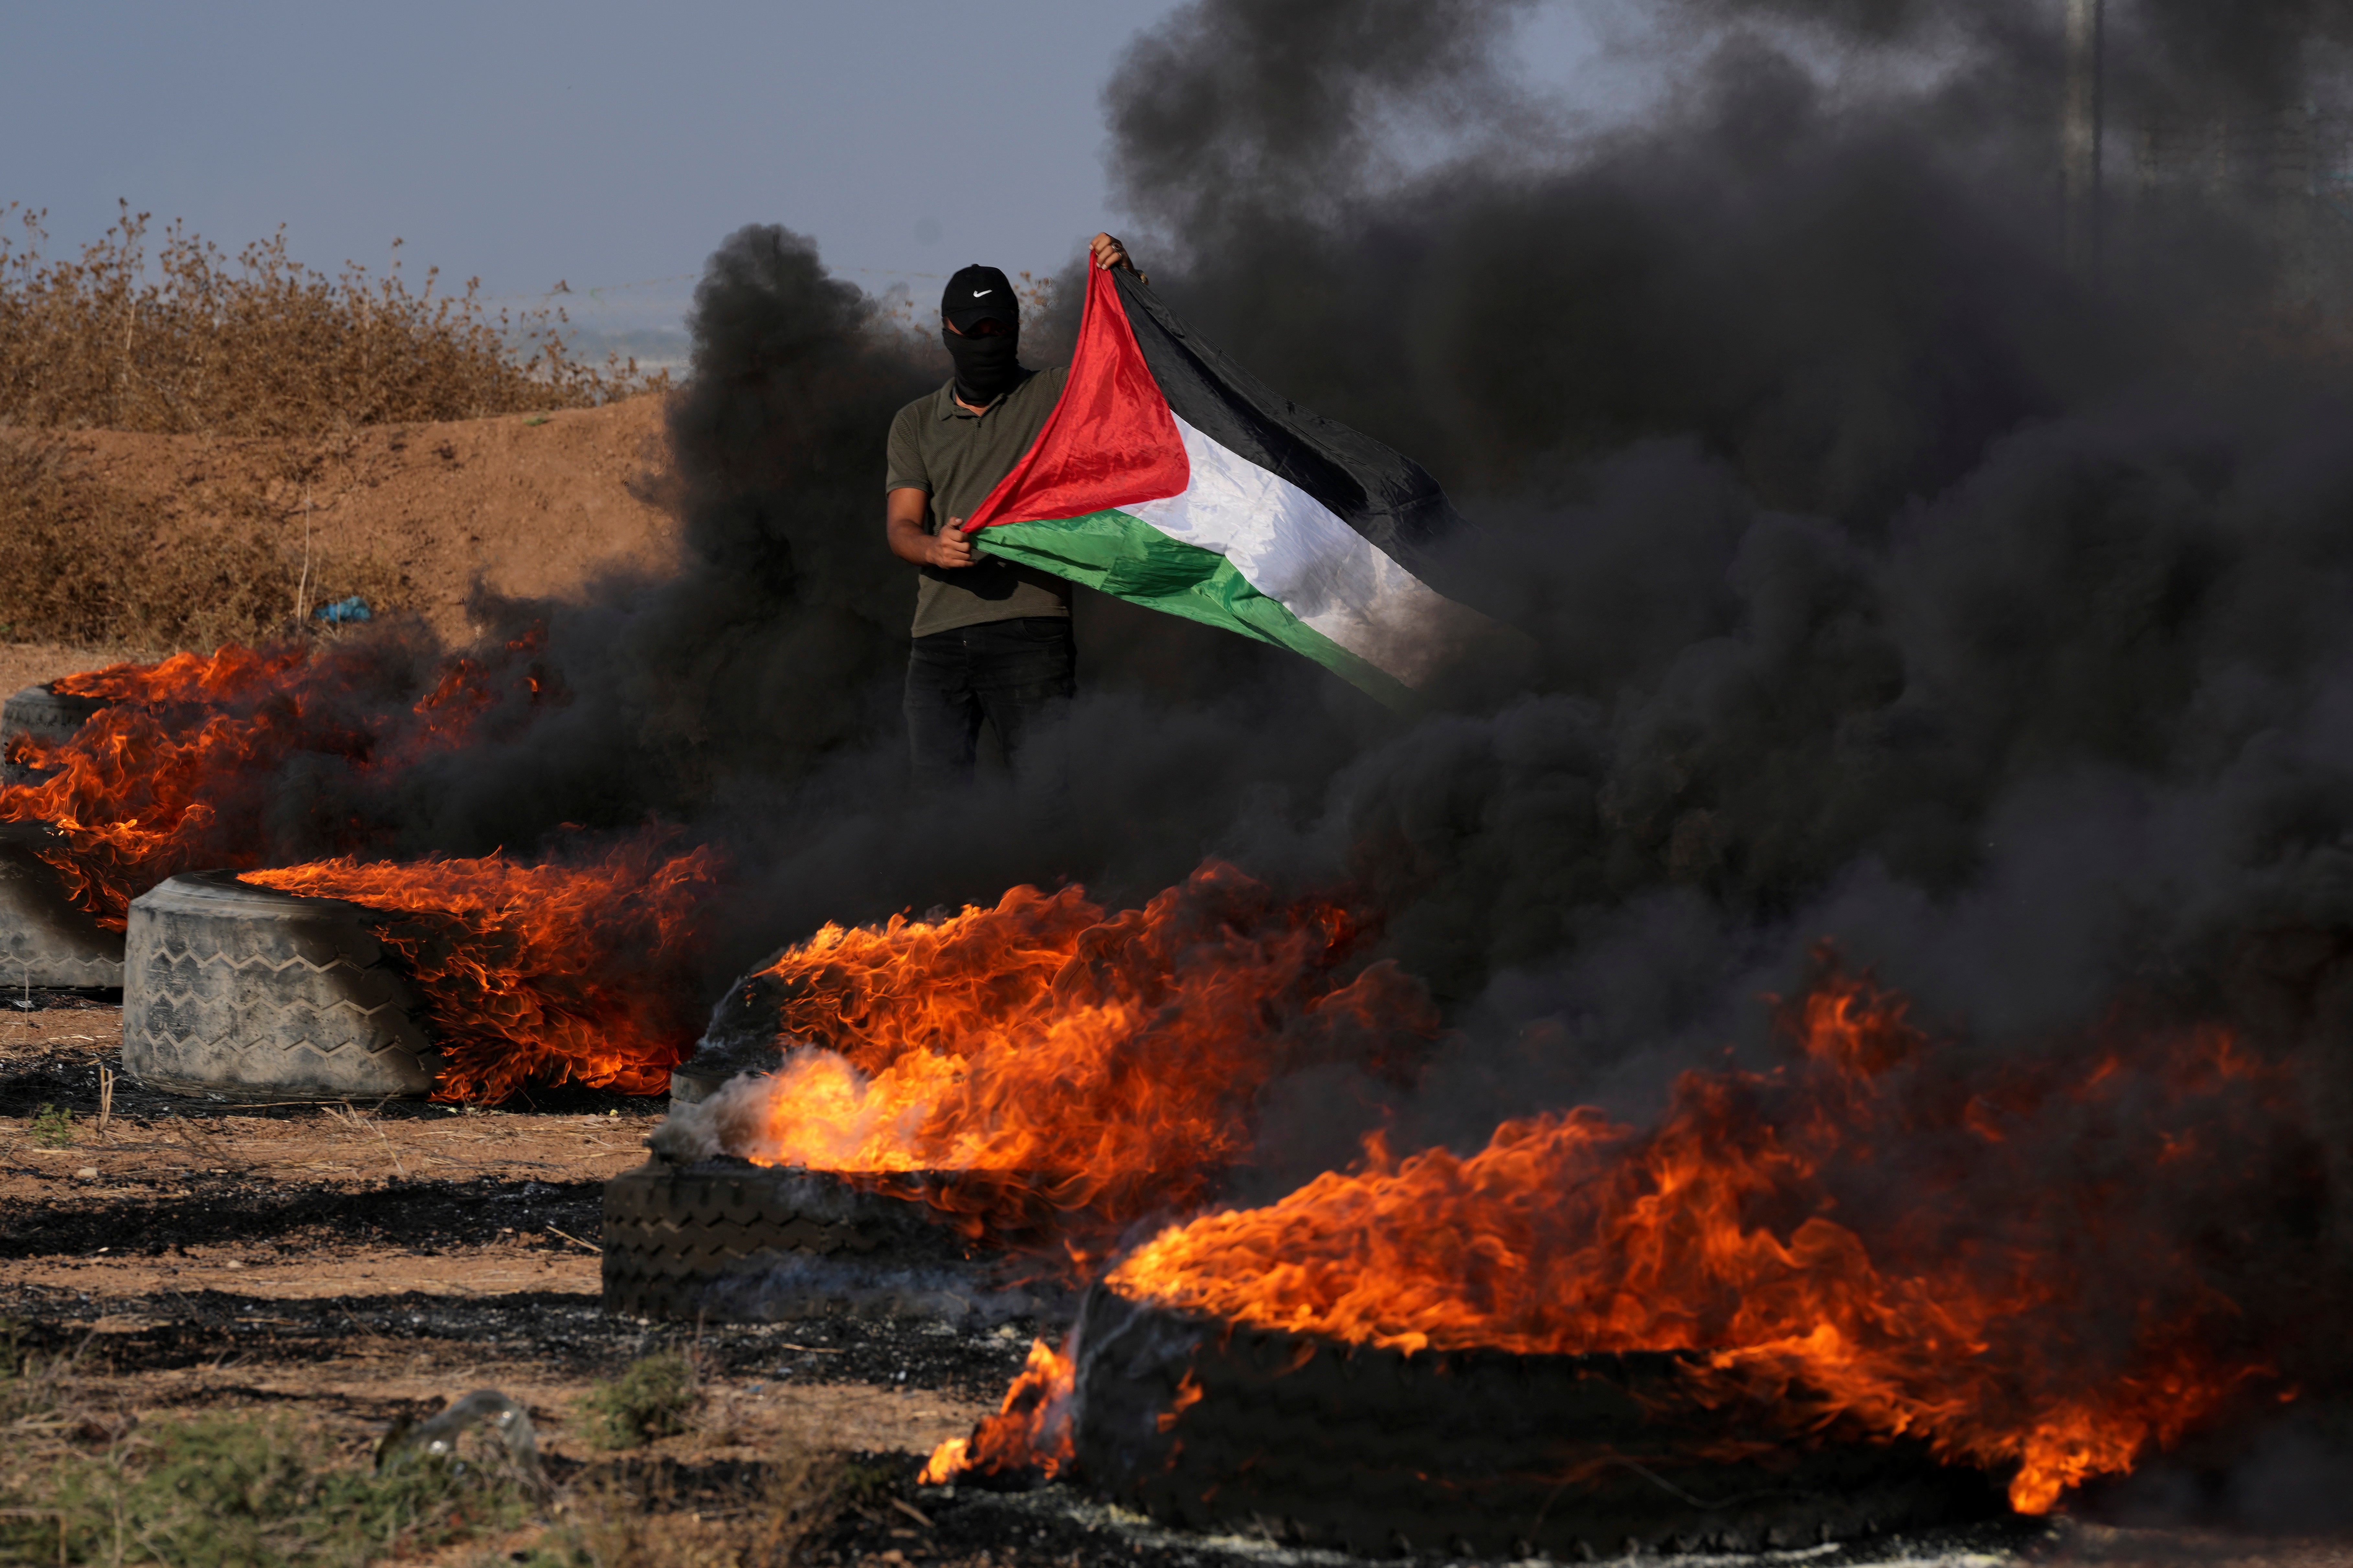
1109 253
951 547
902 521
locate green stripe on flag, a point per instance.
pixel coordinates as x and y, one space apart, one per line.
1129 559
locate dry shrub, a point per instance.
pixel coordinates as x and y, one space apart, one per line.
632 1519
36 1392
609 1527
236 1490
83 562
263 345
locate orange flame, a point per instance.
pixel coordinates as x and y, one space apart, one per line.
1723 1232
553 973
1031 1430
179 772
1108 1063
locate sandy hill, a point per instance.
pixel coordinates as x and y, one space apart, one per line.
534 504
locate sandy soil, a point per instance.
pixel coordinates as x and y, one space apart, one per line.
136 1157
536 505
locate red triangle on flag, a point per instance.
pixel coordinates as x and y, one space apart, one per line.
1111 440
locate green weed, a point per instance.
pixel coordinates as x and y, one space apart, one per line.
656 1397
53 1126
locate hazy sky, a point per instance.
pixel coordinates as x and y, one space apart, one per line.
608 145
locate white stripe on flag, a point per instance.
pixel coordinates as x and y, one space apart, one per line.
1294 549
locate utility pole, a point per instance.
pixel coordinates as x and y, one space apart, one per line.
2080 138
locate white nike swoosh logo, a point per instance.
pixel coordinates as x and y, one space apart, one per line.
978 292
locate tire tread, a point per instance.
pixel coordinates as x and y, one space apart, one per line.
672 1236
1361 1448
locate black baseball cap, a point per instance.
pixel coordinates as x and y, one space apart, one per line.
978 294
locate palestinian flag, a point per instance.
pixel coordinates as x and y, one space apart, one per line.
1170 477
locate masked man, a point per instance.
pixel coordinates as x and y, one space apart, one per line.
992 640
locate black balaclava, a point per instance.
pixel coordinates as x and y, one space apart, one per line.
986 367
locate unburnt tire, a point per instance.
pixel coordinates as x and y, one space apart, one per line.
724 1240
1478 1452
46 940
253 994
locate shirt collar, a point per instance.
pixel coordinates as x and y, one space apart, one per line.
951 409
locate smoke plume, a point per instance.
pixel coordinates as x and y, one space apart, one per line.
1898 585
1894 584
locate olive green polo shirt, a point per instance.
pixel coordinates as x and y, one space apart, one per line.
944 449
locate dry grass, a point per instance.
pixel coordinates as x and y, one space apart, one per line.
191 341
81 562
611 1524
619 1518
220 1490
81 1482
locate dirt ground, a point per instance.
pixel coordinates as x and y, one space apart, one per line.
347 1265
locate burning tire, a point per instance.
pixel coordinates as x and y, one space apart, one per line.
723 1240
1484 1452
46 940
746 1034
40 713
719 1057
251 994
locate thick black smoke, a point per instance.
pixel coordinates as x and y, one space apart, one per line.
1894 584
1861 541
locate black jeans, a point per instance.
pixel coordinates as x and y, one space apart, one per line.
1019 674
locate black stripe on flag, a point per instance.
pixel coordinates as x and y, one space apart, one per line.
1380 493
